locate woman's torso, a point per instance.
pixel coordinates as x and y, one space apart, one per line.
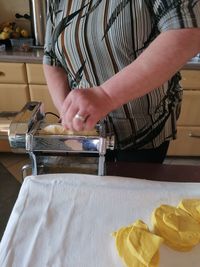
98 39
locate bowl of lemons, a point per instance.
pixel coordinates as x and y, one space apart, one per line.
15 37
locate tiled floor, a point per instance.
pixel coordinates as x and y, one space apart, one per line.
15 162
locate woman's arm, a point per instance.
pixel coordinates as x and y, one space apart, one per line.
161 60
157 64
57 83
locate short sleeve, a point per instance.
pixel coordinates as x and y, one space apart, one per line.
49 57
171 14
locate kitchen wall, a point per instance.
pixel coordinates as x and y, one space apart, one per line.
8 9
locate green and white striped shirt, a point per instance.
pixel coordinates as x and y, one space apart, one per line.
94 39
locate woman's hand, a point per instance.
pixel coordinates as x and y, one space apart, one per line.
83 108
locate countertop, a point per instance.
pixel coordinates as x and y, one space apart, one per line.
36 55
194 63
33 56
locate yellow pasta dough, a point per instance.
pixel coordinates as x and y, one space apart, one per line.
137 246
191 206
179 230
59 129
178 227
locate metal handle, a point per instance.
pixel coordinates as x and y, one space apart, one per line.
194 135
2 73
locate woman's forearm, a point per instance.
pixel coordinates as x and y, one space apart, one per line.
57 83
161 60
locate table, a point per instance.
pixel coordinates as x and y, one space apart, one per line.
154 171
66 220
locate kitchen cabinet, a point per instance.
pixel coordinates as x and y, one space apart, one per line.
35 73
188 132
23 82
14 91
38 88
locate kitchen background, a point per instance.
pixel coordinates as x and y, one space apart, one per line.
185 150
8 9
24 81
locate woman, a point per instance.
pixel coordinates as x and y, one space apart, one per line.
123 58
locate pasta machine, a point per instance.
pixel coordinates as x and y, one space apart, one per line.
30 132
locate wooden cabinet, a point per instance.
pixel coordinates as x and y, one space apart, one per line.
40 93
21 83
13 96
188 135
35 74
14 91
38 88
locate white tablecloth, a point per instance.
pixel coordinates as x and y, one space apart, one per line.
66 220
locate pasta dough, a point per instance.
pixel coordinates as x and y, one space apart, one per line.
59 129
179 230
191 206
137 246
178 227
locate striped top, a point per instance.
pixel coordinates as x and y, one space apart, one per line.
94 39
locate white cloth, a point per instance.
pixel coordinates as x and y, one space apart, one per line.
66 220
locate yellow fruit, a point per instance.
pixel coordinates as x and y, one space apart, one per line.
4 35
24 33
18 29
8 24
7 29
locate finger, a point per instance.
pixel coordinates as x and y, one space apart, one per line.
68 116
90 123
79 121
66 104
